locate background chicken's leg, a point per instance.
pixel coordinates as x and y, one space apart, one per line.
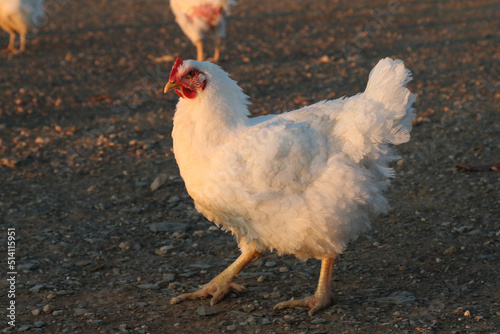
22 45
222 283
12 40
322 297
218 43
199 50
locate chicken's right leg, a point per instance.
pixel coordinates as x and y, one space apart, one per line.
222 283
11 47
199 50
22 45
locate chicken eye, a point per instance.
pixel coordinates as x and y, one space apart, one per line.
190 75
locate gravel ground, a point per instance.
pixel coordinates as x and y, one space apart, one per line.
85 132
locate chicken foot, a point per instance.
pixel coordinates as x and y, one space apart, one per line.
222 283
322 298
10 48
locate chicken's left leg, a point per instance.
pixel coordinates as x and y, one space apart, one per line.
199 50
222 283
322 297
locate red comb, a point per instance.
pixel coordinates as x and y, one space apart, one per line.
173 73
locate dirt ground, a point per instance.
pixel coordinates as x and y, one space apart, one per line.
85 130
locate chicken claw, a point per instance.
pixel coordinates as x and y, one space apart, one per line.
323 296
216 289
222 283
316 303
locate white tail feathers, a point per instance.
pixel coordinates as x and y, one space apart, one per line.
387 84
380 116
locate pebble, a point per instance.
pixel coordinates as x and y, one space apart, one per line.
164 250
96 322
57 312
48 309
231 328
79 312
168 227
168 278
27 266
124 245
37 288
248 308
398 298
450 250
39 324
24 328
36 312
158 182
318 321
149 286
205 310
436 305
270 264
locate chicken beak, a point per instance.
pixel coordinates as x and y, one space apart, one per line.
170 86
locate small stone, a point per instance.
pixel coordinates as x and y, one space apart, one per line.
48 309
168 227
267 321
174 199
79 312
467 313
158 182
436 305
168 278
51 296
148 286
96 322
205 310
57 312
36 312
231 328
318 321
402 297
124 245
27 266
199 233
248 308
164 250
37 288
474 232
39 324
283 270
23 328
450 250
270 264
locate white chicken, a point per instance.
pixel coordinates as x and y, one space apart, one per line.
303 182
197 17
18 17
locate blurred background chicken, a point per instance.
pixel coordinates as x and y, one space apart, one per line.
304 182
18 17
198 17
